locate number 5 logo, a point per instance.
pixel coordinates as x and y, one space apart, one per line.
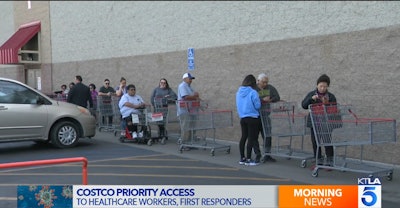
369 197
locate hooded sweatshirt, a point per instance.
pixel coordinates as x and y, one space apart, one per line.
247 102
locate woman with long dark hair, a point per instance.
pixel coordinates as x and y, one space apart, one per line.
248 105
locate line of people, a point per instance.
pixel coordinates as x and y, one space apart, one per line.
251 95
129 102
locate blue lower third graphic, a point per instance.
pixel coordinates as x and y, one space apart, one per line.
44 196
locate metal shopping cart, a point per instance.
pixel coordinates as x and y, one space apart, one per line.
161 106
117 118
196 121
60 97
338 126
282 120
105 113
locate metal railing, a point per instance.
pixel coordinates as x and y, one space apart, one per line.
51 162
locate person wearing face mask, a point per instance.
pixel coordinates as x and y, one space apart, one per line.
319 95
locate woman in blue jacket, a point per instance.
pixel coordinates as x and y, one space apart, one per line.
248 105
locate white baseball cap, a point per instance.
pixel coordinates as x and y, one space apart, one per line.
187 75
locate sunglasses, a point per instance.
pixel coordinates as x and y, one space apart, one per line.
107 83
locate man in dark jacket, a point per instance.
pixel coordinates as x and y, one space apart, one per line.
80 94
268 94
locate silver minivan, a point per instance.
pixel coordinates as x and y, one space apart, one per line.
29 115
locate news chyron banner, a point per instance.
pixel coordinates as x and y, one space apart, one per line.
174 196
366 194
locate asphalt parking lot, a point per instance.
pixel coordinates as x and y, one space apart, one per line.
114 163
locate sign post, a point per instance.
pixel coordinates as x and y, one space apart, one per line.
190 57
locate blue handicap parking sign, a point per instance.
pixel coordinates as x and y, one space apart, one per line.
190 55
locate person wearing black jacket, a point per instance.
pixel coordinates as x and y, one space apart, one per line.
319 95
80 94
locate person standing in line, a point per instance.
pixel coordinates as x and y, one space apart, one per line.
64 89
187 94
106 106
80 94
121 89
268 94
248 105
94 94
319 95
164 95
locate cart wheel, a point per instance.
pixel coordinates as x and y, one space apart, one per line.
212 152
303 164
315 172
122 139
389 176
163 140
149 142
228 151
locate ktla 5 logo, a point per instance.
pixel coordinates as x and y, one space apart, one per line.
369 192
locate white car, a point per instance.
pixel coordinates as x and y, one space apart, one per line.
29 115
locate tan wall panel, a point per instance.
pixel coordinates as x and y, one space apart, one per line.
363 66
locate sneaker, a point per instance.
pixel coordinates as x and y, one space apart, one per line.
252 162
140 134
134 135
269 159
242 161
123 133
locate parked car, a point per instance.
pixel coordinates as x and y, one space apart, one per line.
29 115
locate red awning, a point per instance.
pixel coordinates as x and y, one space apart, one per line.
9 50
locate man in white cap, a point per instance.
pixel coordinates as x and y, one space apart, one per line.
186 97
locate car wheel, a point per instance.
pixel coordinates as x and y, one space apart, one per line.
64 134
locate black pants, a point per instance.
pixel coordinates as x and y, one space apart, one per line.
328 149
250 130
110 120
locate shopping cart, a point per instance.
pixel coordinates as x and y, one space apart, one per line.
60 97
143 133
117 118
338 126
283 121
196 120
161 106
105 113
